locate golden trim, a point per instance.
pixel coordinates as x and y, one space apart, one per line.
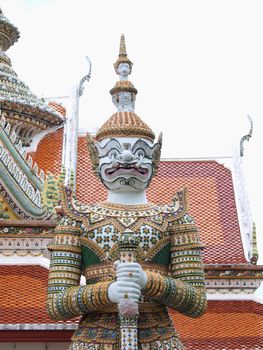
144 307
126 207
187 247
90 227
161 269
163 227
65 248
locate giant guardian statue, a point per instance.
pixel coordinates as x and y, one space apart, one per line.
139 258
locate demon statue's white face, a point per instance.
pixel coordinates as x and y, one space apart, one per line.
127 164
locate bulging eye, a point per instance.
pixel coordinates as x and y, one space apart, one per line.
140 153
113 154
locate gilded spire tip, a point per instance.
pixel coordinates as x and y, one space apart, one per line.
122 46
122 55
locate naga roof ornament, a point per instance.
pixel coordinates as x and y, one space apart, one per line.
27 114
246 137
124 123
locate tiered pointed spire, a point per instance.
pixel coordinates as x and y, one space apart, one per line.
124 122
123 58
27 114
123 93
122 46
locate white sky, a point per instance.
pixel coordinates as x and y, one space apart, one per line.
198 66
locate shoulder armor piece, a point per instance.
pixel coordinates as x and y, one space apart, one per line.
178 208
71 207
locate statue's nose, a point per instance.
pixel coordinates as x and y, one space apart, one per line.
126 156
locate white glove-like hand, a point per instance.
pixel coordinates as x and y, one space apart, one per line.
131 272
120 290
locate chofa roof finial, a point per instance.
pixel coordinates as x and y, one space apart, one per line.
246 137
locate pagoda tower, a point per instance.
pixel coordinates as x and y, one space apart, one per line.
26 113
124 122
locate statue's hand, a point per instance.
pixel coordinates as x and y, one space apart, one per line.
127 290
131 272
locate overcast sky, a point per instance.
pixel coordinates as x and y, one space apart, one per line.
198 67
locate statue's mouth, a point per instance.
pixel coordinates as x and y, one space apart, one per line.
121 169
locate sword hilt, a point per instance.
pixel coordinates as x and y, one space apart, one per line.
128 245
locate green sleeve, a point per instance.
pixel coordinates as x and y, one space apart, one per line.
184 288
66 298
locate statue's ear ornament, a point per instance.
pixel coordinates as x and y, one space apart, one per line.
157 153
93 153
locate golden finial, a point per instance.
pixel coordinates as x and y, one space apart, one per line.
122 55
122 46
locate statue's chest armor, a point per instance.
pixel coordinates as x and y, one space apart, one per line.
105 225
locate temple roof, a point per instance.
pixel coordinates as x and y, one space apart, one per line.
25 305
211 201
227 325
210 194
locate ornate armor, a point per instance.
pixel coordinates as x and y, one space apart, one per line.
86 242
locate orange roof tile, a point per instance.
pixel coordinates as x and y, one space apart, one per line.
89 187
58 107
49 152
227 325
22 294
235 325
211 203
